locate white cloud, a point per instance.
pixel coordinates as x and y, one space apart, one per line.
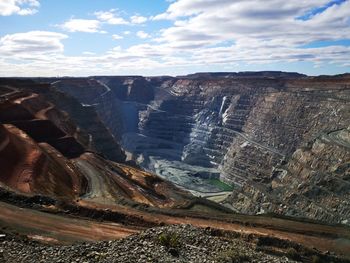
110 17
113 17
208 22
138 19
143 35
82 25
117 37
31 43
157 59
19 7
253 30
204 34
88 53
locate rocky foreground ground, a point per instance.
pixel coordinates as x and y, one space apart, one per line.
166 244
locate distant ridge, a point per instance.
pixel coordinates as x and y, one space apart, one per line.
244 74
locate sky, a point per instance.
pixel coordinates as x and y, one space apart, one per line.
173 37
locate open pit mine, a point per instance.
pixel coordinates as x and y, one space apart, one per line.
255 161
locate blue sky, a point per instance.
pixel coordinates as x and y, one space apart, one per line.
160 37
52 13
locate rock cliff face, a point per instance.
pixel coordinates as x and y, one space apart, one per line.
100 137
43 152
277 142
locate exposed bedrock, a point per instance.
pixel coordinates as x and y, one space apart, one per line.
100 137
36 142
314 183
211 133
91 92
42 152
35 169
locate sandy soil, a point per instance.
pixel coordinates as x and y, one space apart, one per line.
60 229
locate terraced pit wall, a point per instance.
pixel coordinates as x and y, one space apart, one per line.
261 135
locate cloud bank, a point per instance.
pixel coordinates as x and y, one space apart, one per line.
221 33
19 7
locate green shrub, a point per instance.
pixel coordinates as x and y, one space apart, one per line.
169 240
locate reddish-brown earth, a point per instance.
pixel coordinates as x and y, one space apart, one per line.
42 152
